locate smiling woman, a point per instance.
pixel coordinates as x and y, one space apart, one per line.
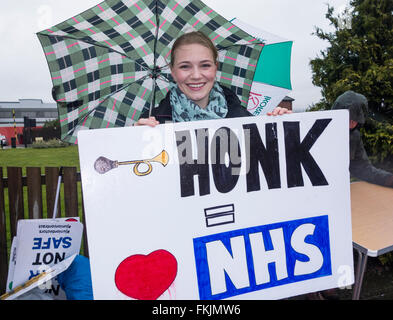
194 66
194 71
196 95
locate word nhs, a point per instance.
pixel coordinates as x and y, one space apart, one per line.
246 260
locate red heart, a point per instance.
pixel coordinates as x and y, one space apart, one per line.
146 277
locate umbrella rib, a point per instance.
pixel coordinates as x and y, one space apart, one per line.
239 45
156 37
154 78
106 98
98 45
162 77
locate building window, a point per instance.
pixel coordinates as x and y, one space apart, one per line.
26 114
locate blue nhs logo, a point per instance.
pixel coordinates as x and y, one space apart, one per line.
246 260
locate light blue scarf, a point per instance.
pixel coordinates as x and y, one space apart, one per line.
183 109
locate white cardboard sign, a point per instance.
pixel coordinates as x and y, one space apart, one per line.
268 218
40 244
29 290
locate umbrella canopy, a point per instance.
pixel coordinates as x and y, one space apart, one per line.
110 62
272 79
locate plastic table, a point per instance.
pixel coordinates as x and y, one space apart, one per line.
372 225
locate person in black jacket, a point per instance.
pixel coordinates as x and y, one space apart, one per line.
196 95
360 166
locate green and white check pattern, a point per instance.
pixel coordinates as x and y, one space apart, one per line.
102 60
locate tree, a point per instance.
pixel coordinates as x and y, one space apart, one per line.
50 130
359 56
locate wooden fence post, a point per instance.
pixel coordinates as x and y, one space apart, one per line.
51 178
34 192
15 196
3 237
70 192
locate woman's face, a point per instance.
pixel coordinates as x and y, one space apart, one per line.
194 71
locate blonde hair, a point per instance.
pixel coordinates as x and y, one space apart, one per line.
195 37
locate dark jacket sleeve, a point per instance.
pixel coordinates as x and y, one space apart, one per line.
162 113
235 108
360 166
145 114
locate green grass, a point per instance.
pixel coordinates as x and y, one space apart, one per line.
29 157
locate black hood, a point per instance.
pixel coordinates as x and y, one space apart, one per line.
356 103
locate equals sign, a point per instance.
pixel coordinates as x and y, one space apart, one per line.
220 215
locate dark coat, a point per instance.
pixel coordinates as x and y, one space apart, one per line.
163 113
360 166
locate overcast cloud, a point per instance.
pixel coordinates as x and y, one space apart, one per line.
24 72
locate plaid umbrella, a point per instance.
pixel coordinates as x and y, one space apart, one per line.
272 79
109 63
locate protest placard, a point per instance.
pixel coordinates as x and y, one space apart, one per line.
11 265
29 290
246 208
40 244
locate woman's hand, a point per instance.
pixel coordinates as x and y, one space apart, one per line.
151 121
278 111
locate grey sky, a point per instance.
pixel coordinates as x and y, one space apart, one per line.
24 72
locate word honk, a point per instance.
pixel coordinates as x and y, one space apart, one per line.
257 258
224 156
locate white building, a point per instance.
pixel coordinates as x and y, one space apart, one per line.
11 125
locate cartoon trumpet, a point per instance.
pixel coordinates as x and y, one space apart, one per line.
103 165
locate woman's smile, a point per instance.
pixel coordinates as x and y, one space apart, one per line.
196 87
194 71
